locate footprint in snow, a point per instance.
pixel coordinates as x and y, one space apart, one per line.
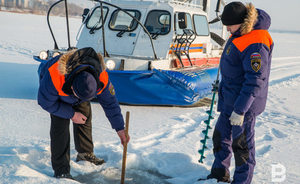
263 150
268 138
264 138
278 133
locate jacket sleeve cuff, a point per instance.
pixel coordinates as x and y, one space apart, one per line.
119 128
239 112
243 103
71 115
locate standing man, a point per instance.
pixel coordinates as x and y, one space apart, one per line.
245 68
67 84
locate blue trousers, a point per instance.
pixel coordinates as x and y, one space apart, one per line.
240 141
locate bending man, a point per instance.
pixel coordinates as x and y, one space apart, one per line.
67 84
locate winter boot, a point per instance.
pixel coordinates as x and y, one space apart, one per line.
210 176
65 175
90 157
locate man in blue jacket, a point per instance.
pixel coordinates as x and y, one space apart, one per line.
67 84
245 68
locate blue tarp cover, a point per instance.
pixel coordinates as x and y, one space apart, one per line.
162 87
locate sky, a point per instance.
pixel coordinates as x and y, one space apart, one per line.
284 14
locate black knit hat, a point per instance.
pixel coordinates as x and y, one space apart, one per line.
234 13
85 86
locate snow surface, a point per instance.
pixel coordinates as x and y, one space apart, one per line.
164 140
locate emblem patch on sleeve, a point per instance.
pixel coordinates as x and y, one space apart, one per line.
111 89
228 50
255 61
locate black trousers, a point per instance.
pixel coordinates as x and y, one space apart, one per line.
60 138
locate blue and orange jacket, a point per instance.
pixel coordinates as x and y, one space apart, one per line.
245 66
58 101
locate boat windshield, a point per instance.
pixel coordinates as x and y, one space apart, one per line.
158 22
94 21
120 21
201 25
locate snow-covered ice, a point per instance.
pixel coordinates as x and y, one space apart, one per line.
164 140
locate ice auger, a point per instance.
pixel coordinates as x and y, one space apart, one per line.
215 85
207 122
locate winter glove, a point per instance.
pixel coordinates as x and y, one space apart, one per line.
236 119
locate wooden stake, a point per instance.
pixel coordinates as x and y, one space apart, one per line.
125 148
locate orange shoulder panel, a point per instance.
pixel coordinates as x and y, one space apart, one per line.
58 79
104 79
255 36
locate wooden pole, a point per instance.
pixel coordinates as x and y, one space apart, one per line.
125 148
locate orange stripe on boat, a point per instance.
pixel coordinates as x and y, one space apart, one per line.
192 45
196 50
193 48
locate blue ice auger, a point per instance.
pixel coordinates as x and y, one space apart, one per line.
207 122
